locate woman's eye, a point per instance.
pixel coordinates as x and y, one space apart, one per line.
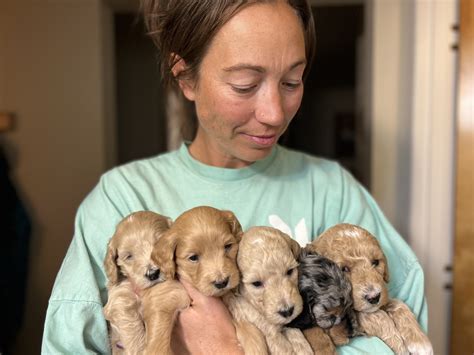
289 272
193 257
227 247
243 89
257 283
375 263
346 269
291 85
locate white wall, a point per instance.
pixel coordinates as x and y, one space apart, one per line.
52 77
389 126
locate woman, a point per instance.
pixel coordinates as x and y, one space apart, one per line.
242 65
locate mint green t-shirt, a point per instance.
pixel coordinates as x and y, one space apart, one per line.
297 193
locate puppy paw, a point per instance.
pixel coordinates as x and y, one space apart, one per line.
420 347
340 341
298 341
338 335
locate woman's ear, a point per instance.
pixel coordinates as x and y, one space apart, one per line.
185 84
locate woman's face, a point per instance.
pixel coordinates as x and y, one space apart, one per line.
249 85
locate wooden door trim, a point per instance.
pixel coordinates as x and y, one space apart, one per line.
462 330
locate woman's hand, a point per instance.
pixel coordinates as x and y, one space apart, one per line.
205 327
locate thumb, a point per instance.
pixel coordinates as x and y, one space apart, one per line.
195 295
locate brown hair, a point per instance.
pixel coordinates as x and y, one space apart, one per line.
185 28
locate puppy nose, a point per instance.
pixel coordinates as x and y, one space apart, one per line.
332 318
152 274
286 312
221 283
372 299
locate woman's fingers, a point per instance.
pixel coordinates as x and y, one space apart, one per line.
194 294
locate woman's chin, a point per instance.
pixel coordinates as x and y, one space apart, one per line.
252 155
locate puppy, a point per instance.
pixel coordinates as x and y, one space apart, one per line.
267 298
130 270
201 247
360 256
327 318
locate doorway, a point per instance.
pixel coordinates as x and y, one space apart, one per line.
140 103
330 122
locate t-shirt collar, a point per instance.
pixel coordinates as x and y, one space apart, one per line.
225 174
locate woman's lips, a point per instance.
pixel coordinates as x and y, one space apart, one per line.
264 141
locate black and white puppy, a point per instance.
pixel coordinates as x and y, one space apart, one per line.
326 293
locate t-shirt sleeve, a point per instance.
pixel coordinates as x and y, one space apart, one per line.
358 207
74 320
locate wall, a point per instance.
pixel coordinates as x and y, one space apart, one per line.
52 77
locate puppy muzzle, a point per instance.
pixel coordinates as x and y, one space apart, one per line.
152 274
220 284
286 312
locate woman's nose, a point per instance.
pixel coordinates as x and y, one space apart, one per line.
269 108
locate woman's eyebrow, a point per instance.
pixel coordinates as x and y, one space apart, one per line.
257 68
244 66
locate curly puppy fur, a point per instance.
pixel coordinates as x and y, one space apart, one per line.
130 270
360 256
327 318
267 298
201 248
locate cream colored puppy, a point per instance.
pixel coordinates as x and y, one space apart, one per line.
130 270
268 296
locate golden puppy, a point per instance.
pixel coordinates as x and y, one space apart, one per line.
201 248
360 256
130 270
267 298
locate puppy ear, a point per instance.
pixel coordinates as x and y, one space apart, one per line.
309 249
110 264
162 224
293 244
163 253
386 276
234 224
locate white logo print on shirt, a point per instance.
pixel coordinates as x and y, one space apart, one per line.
301 231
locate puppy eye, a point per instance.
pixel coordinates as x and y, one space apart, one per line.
128 257
193 257
227 247
375 262
290 272
257 283
346 269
